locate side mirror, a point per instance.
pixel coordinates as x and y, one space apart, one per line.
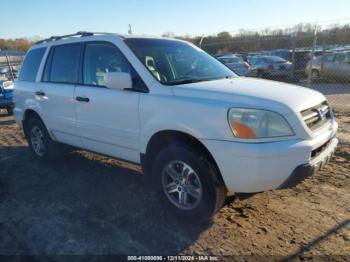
118 80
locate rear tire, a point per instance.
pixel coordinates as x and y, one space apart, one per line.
188 183
260 74
10 110
42 147
315 75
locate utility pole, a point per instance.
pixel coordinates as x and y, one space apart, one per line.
293 39
201 41
130 31
10 67
314 45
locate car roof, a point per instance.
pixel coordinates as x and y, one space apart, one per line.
82 34
228 56
341 52
266 56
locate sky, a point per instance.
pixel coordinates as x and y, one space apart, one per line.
43 18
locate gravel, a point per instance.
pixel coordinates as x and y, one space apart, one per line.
92 204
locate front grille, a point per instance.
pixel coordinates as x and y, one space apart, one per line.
317 116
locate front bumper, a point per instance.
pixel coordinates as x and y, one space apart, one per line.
257 167
304 171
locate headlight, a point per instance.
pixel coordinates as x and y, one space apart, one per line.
254 123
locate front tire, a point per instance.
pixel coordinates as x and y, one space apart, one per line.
188 183
260 74
42 147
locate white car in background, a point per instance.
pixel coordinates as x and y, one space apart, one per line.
236 64
196 128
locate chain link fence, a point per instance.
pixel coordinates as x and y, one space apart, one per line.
317 59
10 62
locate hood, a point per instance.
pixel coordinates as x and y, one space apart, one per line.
249 92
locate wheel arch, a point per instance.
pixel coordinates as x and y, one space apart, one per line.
28 114
317 71
164 138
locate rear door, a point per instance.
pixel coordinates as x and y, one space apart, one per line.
56 91
107 119
343 66
346 68
328 66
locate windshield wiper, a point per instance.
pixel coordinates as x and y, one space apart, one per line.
186 81
195 80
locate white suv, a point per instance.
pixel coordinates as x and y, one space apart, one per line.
195 128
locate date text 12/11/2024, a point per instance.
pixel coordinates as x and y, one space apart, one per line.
173 258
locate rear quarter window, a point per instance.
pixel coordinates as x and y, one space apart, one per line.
31 64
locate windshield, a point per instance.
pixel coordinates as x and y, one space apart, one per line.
234 59
274 59
175 62
283 54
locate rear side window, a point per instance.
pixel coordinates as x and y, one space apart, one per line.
31 64
64 64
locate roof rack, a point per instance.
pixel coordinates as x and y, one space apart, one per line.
80 33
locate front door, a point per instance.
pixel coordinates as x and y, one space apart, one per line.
107 119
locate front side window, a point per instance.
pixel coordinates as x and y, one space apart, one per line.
174 62
252 60
283 54
65 64
99 59
341 58
31 64
328 58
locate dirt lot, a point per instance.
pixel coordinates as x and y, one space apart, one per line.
88 204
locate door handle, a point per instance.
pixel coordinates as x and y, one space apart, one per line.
82 99
40 93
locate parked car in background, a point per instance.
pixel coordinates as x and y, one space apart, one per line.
243 56
272 67
332 66
6 96
301 58
5 73
236 64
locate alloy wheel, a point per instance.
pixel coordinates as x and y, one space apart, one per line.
181 185
37 141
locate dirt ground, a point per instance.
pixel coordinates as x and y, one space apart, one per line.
90 204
